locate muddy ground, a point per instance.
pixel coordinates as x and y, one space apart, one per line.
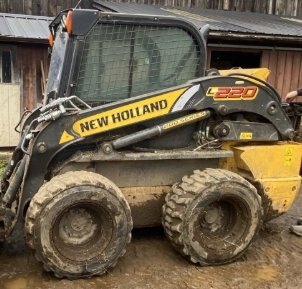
273 261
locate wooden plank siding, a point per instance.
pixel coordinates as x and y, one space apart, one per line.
27 71
29 63
25 91
286 70
36 7
52 7
285 67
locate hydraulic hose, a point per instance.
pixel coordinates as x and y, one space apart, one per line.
15 184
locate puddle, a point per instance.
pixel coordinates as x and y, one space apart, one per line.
266 273
17 283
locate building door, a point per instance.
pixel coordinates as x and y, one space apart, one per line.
9 114
234 59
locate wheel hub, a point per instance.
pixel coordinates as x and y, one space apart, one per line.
214 217
77 226
211 216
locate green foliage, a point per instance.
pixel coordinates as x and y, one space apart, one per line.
3 164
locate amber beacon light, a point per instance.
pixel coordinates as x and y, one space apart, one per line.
50 40
68 22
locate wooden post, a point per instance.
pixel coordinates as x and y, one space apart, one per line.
27 6
295 8
44 7
226 4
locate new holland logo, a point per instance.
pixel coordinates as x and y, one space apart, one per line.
233 92
124 115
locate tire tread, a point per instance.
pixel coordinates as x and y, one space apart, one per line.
182 195
51 189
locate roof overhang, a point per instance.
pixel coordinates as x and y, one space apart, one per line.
11 39
249 37
24 28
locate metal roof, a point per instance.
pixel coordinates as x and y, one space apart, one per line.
28 28
220 21
17 27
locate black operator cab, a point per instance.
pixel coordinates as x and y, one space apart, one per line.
107 57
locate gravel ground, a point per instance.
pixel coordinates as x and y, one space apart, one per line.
273 261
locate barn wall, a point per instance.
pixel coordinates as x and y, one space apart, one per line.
25 91
30 60
52 7
36 7
285 67
27 62
286 70
277 7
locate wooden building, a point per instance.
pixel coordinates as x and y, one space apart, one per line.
52 7
275 7
23 61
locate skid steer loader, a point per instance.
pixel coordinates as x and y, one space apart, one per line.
133 132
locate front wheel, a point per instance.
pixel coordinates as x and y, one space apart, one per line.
79 224
212 216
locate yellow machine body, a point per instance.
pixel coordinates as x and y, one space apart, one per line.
274 169
261 73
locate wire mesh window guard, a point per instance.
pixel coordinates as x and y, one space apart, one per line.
121 61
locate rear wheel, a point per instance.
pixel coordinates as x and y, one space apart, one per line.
79 224
212 216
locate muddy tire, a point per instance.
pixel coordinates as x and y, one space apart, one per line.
79 224
212 216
